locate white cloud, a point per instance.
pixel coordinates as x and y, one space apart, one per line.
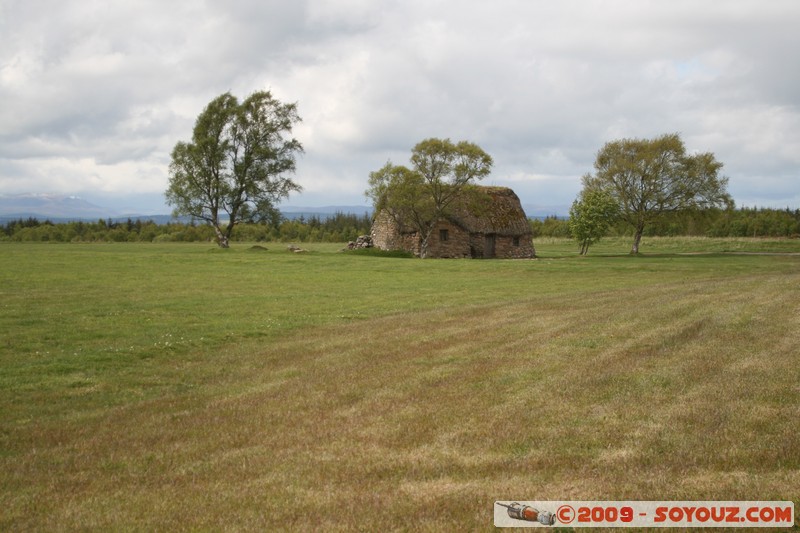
96 94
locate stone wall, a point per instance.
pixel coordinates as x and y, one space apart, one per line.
386 235
459 243
363 241
505 248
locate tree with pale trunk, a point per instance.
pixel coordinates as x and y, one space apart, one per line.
649 178
235 168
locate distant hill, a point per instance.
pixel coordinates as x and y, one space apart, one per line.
49 206
63 208
323 213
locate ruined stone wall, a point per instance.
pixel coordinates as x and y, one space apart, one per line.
386 235
385 232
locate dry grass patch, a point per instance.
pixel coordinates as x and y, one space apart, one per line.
449 410
685 387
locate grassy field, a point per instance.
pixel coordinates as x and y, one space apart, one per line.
148 387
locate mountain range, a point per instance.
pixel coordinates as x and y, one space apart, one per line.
49 206
60 208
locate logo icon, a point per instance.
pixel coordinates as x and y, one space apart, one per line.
525 512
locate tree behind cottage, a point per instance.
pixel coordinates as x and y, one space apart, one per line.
421 195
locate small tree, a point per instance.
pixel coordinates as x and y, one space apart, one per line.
236 163
651 177
590 217
441 172
403 194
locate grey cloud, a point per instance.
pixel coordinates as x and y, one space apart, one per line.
540 85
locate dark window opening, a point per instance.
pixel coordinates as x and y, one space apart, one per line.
443 236
516 241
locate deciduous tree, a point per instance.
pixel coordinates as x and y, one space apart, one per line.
651 177
440 172
236 163
590 216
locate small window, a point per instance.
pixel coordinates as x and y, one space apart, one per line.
516 241
443 235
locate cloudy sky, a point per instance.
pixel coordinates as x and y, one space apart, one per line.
94 94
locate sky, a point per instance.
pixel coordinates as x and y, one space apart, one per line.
95 94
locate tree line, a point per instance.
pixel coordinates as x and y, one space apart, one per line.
734 222
739 222
341 227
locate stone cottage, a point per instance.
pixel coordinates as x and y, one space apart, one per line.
486 224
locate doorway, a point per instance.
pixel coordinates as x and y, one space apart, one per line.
489 246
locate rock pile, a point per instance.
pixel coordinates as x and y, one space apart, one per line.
364 241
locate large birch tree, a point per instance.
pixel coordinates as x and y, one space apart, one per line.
649 178
235 167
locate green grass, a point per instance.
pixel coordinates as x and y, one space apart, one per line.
651 246
181 387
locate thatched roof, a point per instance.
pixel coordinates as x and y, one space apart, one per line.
490 210
483 209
